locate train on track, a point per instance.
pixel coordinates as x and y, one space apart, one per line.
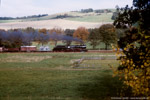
58 48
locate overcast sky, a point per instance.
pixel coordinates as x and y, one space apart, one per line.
14 8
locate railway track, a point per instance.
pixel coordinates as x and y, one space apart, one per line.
89 51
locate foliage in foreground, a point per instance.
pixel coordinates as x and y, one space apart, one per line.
135 64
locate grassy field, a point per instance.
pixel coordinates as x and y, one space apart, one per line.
49 24
51 76
77 16
93 18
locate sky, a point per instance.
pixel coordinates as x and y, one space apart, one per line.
18 8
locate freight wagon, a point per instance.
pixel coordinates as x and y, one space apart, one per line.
11 49
19 49
28 48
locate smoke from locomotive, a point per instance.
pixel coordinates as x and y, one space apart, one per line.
11 40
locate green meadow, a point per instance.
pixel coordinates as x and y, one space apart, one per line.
52 76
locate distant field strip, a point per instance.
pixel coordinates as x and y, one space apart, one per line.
49 24
93 18
25 58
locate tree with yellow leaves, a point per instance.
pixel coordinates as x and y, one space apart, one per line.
135 60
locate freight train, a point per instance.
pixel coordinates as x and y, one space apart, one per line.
58 48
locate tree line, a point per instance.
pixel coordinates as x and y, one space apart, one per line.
17 37
96 11
25 17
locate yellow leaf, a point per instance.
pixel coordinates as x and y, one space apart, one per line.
125 49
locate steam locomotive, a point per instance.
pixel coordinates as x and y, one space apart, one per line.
70 48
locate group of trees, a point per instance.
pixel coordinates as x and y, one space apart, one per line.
96 11
25 17
64 16
87 10
13 39
134 68
102 11
17 37
106 34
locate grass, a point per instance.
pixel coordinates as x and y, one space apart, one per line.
103 64
94 18
54 78
101 46
8 21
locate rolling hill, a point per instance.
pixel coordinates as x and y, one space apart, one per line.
71 20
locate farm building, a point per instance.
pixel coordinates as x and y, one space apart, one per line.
44 48
28 48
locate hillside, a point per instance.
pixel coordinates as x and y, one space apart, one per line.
66 20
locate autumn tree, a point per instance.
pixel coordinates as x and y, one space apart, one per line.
135 64
43 36
107 34
44 31
56 31
81 33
